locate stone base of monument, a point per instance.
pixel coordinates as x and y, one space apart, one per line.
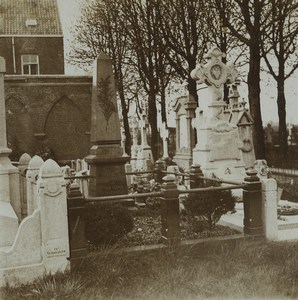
107 172
219 151
9 221
183 158
144 158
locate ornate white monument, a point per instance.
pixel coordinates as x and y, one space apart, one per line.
218 148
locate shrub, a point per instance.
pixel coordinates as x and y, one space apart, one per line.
145 184
211 205
107 223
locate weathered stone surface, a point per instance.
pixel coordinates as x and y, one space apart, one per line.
106 158
105 125
218 148
184 108
41 244
31 177
9 180
269 202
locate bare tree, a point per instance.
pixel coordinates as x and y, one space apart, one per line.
149 58
247 22
280 53
184 33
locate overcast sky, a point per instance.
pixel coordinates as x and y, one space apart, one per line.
70 11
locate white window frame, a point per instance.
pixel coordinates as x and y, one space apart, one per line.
30 63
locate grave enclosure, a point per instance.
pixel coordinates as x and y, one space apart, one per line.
40 230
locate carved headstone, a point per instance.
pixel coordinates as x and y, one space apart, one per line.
106 158
215 74
218 148
184 108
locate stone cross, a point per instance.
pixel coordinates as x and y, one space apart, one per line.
290 127
215 74
144 124
135 126
164 134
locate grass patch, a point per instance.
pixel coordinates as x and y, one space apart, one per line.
224 270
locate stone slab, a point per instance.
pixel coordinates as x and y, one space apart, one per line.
287 228
9 221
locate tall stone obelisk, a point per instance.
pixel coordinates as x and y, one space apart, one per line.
106 158
9 180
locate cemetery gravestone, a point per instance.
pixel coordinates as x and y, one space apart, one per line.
106 160
240 116
185 112
218 149
145 158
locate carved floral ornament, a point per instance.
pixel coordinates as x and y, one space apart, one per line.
105 97
214 72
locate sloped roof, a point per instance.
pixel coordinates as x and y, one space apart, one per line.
14 13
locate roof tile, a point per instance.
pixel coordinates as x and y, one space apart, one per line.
14 13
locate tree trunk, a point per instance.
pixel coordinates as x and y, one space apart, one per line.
152 118
254 100
192 89
281 105
125 120
163 104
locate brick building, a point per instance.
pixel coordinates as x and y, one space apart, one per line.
47 112
31 38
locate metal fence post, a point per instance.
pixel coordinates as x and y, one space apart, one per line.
195 173
170 218
252 201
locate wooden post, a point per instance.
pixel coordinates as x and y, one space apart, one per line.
76 223
195 173
252 201
170 218
159 167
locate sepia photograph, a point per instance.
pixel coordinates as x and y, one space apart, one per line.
149 149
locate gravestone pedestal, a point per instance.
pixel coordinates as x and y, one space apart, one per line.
107 174
106 160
